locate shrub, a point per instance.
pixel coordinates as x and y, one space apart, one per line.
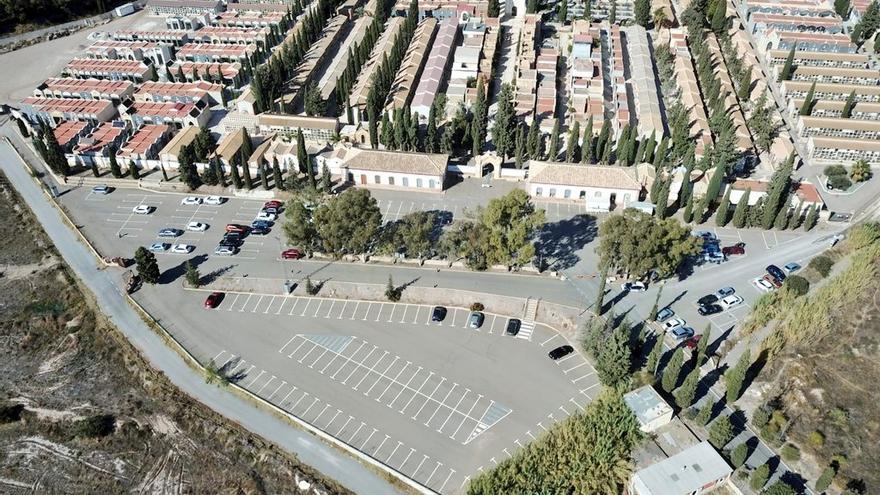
759 477
311 289
705 414
839 182
790 452
10 413
99 425
832 170
193 278
817 439
761 417
739 455
822 264
825 479
861 171
797 284
721 432
477 306
392 293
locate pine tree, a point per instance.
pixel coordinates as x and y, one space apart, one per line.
740 214
571 151
848 106
703 345
723 211
303 160
615 358
95 171
147 267
685 394
745 85
587 151
553 150
562 12
739 454
656 307
734 379
642 12
841 7
785 73
794 221
807 106
600 294
326 179
719 18
705 413
781 220
672 370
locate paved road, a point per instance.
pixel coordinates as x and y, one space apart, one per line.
104 286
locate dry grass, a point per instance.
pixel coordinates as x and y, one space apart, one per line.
64 363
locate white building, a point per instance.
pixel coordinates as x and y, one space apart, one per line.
387 169
601 188
650 409
696 470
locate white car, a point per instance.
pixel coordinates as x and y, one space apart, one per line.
673 323
197 226
266 217
215 200
182 248
142 209
730 301
762 285
191 201
224 250
633 287
159 247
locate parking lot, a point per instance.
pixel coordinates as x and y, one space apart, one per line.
436 401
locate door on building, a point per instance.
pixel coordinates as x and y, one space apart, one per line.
613 202
363 179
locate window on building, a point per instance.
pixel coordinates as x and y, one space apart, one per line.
626 198
405 181
432 183
418 182
539 191
552 193
377 179
566 194
390 181
598 194
583 194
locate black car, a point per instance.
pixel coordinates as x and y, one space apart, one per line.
560 352
231 238
709 309
439 313
707 299
260 231
777 273
512 326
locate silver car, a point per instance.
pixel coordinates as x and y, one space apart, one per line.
475 320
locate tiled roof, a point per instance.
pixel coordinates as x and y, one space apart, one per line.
583 175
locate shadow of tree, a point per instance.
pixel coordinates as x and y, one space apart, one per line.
214 275
558 242
175 272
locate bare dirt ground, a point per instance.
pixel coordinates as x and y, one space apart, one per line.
80 412
828 390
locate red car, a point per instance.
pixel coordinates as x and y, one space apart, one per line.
272 204
692 342
213 300
773 280
737 249
233 227
292 254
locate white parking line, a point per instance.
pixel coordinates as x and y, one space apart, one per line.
283 302
454 385
574 367
356 368
411 450
344 425
353 354
303 415
382 375
385 353
430 397
405 387
342 310
297 348
262 372
418 392
320 303
307 307
331 309
266 384
368 438
283 383
451 472
356 306
467 391
295 302
405 366
480 396
399 443
433 472
356 432
548 340
298 401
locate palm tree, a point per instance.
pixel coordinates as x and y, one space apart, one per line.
660 18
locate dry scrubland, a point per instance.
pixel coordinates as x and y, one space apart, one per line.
80 412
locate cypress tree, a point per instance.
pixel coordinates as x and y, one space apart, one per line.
703 345
740 214
95 171
264 177
672 371
785 73
562 12
432 141
807 106
587 151
133 170
689 209
777 191
722 213
553 151
650 146
600 294
734 378
115 170
781 220
719 18
246 169
386 135
660 154
794 221
653 361
848 106
663 198
520 147
277 179
601 140
642 13
623 143
233 170
533 142
745 85
685 394
574 134
374 133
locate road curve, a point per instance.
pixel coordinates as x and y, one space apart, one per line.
309 449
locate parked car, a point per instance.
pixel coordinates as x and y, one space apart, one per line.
737 249
213 300
707 299
725 291
791 267
705 234
191 201
731 301
692 342
772 281
291 254
142 209
271 210
709 309
169 232
231 238
215 200
266 216
234 227
776 272
664 314
159 247
260 230
513 326
560 352
475 320
763 285
272 204
673 323
438 314
225 250
713 257
197 226
633 287
260 224
682 333
182 248
102 189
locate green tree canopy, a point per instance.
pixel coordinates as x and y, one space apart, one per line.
348 223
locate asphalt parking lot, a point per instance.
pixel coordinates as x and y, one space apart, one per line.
436 401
